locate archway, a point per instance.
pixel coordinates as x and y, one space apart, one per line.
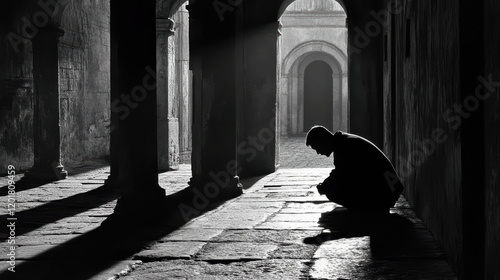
292 87
318 95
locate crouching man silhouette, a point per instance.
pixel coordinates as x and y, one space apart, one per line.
363 179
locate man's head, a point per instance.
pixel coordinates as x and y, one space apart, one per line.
320 139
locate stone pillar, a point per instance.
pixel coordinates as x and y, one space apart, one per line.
134 106
258 137
47 133
184 84
168 126
212 49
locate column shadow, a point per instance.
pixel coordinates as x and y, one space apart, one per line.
118 238
25 184
53 211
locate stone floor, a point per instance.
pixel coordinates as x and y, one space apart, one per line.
295 154
279 228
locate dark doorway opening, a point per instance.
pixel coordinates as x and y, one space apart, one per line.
318 95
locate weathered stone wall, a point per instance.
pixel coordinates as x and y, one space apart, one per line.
85 81
427 145
84 84
365 69
16 90
492 137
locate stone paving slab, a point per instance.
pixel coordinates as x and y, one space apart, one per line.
366 269
170 250
26 240
295 154
273 269
236 251
253 236
289 225
260 205
288 195
287 198
294 251
23 252
293 183
296 217
192 234
115 271
248 221
345 248
294 207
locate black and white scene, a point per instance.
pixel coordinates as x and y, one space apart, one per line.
250 139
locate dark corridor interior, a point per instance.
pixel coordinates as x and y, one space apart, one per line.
318 96
86 80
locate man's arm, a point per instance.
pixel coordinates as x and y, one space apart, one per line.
327 183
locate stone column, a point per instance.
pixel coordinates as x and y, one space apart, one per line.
258 137
184 84
212 49
134 106
168 126
47 133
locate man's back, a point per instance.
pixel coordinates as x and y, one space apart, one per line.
355 154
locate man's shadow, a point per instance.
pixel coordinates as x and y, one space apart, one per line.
392 236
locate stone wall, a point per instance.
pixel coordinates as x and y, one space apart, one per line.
16 90
84 84
85 81
426 145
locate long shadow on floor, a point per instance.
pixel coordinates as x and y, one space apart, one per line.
399 244
32 219
118 238
25 184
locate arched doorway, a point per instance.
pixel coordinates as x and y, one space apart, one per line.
293 88
318 97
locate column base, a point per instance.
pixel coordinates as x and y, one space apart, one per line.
53 172
111 182
142 207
